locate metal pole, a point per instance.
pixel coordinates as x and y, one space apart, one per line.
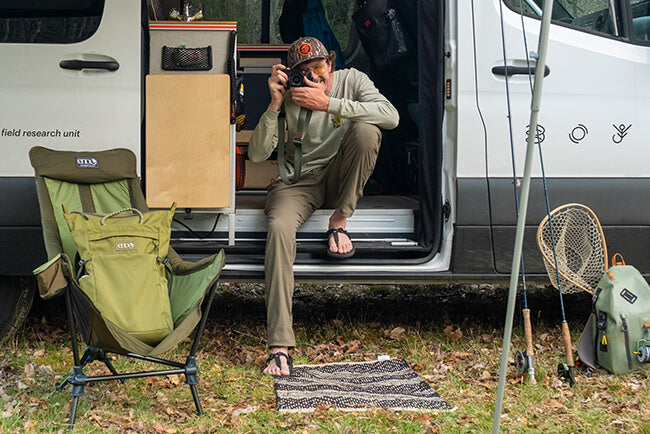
521 219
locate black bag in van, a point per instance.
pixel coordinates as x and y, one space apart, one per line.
382 32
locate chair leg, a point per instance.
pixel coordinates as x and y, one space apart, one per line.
73 412
191 379
71 326
191 368
78 380
197 403
110 367
204 318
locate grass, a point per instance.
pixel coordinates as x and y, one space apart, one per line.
459 356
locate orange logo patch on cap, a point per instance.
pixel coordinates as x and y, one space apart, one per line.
304 49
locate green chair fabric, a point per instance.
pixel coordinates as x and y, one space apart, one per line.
104 182
90 185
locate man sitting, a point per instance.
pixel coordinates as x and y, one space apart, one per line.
339 151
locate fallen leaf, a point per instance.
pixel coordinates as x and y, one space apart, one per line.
453 335
29 425
396 334
248 409
351 347
554 404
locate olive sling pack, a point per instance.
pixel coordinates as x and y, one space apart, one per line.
122 268
617 335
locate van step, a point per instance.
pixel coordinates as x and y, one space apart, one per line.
310 247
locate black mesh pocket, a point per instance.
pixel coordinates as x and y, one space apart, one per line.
186 59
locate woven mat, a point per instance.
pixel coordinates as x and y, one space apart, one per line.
356 386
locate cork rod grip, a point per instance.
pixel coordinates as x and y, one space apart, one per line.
566 337
528 332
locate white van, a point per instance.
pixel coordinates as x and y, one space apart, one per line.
440 205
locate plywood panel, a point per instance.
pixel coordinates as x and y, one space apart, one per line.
188 141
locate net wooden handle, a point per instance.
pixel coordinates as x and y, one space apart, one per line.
528 332
566 338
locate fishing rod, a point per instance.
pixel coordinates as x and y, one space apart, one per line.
565 370
521 219
523 362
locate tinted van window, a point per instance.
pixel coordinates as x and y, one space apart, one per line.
49 21
592 15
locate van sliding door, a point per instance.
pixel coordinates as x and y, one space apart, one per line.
70 80
592 120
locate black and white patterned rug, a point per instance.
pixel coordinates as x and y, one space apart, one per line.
356 386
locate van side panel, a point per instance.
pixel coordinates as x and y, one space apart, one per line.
593 133
21 237
52 105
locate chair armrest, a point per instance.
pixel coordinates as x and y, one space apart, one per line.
53 276
181 267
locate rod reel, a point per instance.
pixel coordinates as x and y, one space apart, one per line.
643 346
643 354
522 362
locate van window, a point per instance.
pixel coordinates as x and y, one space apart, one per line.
593 15
49 22
248 14
641 19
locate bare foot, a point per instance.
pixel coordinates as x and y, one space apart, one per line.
345 244
272 368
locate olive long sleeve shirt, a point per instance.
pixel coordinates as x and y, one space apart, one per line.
353 98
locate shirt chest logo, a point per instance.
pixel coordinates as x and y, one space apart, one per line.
337 121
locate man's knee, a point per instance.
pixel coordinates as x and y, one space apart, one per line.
366 137
281 226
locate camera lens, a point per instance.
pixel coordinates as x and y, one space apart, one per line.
295 79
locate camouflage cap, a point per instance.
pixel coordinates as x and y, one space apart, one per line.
304 49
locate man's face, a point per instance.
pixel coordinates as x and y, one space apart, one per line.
321 73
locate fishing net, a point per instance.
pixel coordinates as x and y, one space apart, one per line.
579 245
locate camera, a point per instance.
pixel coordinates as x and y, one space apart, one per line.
297 77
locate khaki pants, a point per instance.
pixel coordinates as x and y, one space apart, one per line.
339 185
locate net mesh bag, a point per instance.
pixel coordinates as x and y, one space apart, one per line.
186 59
579 245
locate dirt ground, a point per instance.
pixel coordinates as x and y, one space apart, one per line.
480 305
408 304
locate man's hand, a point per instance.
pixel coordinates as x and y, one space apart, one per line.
277 82
311 97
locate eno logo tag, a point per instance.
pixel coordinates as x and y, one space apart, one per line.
123 246
628 296
87 163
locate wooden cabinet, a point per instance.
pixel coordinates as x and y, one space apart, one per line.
188 141
189 151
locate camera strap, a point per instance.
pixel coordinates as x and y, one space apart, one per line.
303 120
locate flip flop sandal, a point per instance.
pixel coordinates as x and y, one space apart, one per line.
336 232
278 362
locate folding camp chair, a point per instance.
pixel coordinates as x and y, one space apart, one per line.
102 183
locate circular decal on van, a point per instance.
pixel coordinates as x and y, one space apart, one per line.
304 49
